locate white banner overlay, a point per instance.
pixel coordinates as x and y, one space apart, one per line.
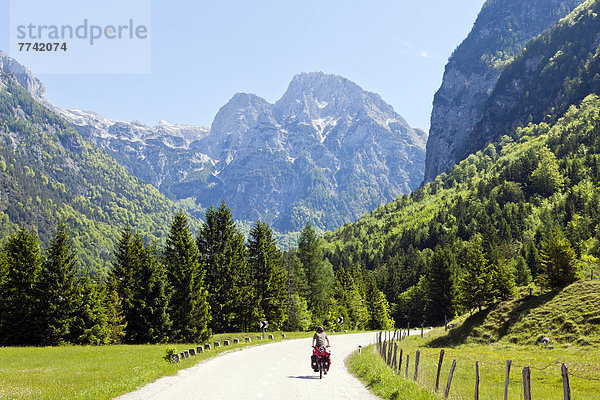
86 37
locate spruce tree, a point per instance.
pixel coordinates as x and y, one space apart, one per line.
378 308
475 286
319 274
149 320
559 263
267 274
439 286
20 317
222 255
59 288
189 308
92 323
123 278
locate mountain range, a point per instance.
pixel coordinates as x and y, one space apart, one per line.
325 153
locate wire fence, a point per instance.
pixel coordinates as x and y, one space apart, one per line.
411 366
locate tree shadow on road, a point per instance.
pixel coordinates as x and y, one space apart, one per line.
304 377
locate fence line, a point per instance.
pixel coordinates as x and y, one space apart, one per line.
387 346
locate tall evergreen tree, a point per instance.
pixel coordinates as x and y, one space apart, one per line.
351 304
189 308
378 307
267 274
439 286
123 277
319 274
92 324
149 320
559 263
222 255
59 288
296 305
475 284
20 318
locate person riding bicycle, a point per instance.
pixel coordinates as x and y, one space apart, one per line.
319 339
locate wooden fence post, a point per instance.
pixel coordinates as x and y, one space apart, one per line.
390 352
421 330
406 369
384 353
439 370
408 330
400 362
506 378
526 383
417 356
395 360
476 380
565 379
447 393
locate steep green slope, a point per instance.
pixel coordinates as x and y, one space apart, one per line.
509 196
570 316
48 172
556 69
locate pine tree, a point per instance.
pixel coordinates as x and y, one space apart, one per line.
267 274
350 303
439 286
149 321
91 324
559 263
378 307
222 255
189 308
115 314
475 285
20 317
60 288
123 278
295 285
319 274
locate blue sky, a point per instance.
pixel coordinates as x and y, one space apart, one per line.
205 51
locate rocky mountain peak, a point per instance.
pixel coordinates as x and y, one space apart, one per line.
317 95
239 114
24 76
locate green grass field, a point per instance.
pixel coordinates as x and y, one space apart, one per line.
96 372
510 330
583 364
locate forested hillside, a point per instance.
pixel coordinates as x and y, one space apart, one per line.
507 210
525 208
48 172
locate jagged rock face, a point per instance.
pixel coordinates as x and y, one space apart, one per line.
546 79
325 153
157 155
26 79
502 28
